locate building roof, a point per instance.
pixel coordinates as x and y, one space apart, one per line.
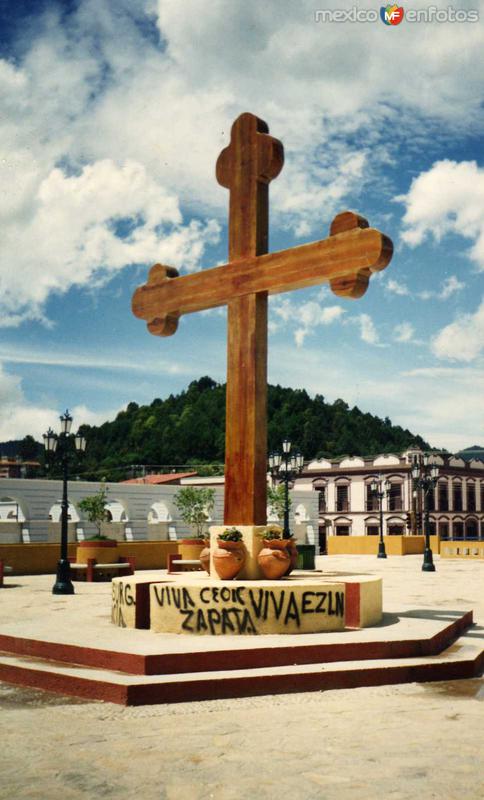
154 480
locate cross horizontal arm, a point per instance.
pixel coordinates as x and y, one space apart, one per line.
345 259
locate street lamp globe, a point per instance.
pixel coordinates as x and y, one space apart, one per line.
66 422
286 445
80 442
50 441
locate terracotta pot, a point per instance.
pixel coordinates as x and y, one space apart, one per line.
205 558
274 559
104 551
190 549
228 559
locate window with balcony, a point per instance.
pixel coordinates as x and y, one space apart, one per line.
457 497
342 497
395 500
322 499
458 529
371 500
444 530
443 496
471 496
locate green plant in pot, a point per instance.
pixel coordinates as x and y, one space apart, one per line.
230 555
99 546
230 535
195 506
271 533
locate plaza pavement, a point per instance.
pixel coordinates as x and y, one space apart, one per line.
399 742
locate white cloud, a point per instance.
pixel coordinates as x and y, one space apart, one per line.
463 339
71 238
368 331
395 287
303 317
404 332
450 286
100 121
448 198
18 417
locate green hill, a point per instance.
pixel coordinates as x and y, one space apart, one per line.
188 428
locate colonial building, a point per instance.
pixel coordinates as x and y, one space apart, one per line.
347 505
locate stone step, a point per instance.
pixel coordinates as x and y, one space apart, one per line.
463 659
411 636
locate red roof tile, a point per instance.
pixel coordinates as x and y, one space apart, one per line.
165 478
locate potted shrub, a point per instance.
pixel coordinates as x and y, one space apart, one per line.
194 505
100 547
230 555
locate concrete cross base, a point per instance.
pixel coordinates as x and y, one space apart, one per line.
300 604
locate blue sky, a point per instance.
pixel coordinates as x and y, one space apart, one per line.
113 114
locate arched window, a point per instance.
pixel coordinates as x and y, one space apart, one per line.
158 513
372 526
396 526
471 528
56 512
342 526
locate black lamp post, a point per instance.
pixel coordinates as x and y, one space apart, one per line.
380 489
425 476
52 441
285 467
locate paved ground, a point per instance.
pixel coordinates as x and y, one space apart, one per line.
413 741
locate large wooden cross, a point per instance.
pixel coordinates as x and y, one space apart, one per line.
346 259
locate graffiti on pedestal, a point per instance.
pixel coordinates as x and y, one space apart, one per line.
237 610
123 596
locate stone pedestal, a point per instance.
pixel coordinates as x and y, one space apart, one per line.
253 542
192 604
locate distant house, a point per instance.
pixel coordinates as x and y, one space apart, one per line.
15 467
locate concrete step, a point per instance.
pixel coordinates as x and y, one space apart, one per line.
146 654
463 659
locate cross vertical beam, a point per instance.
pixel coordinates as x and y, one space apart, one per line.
246 167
